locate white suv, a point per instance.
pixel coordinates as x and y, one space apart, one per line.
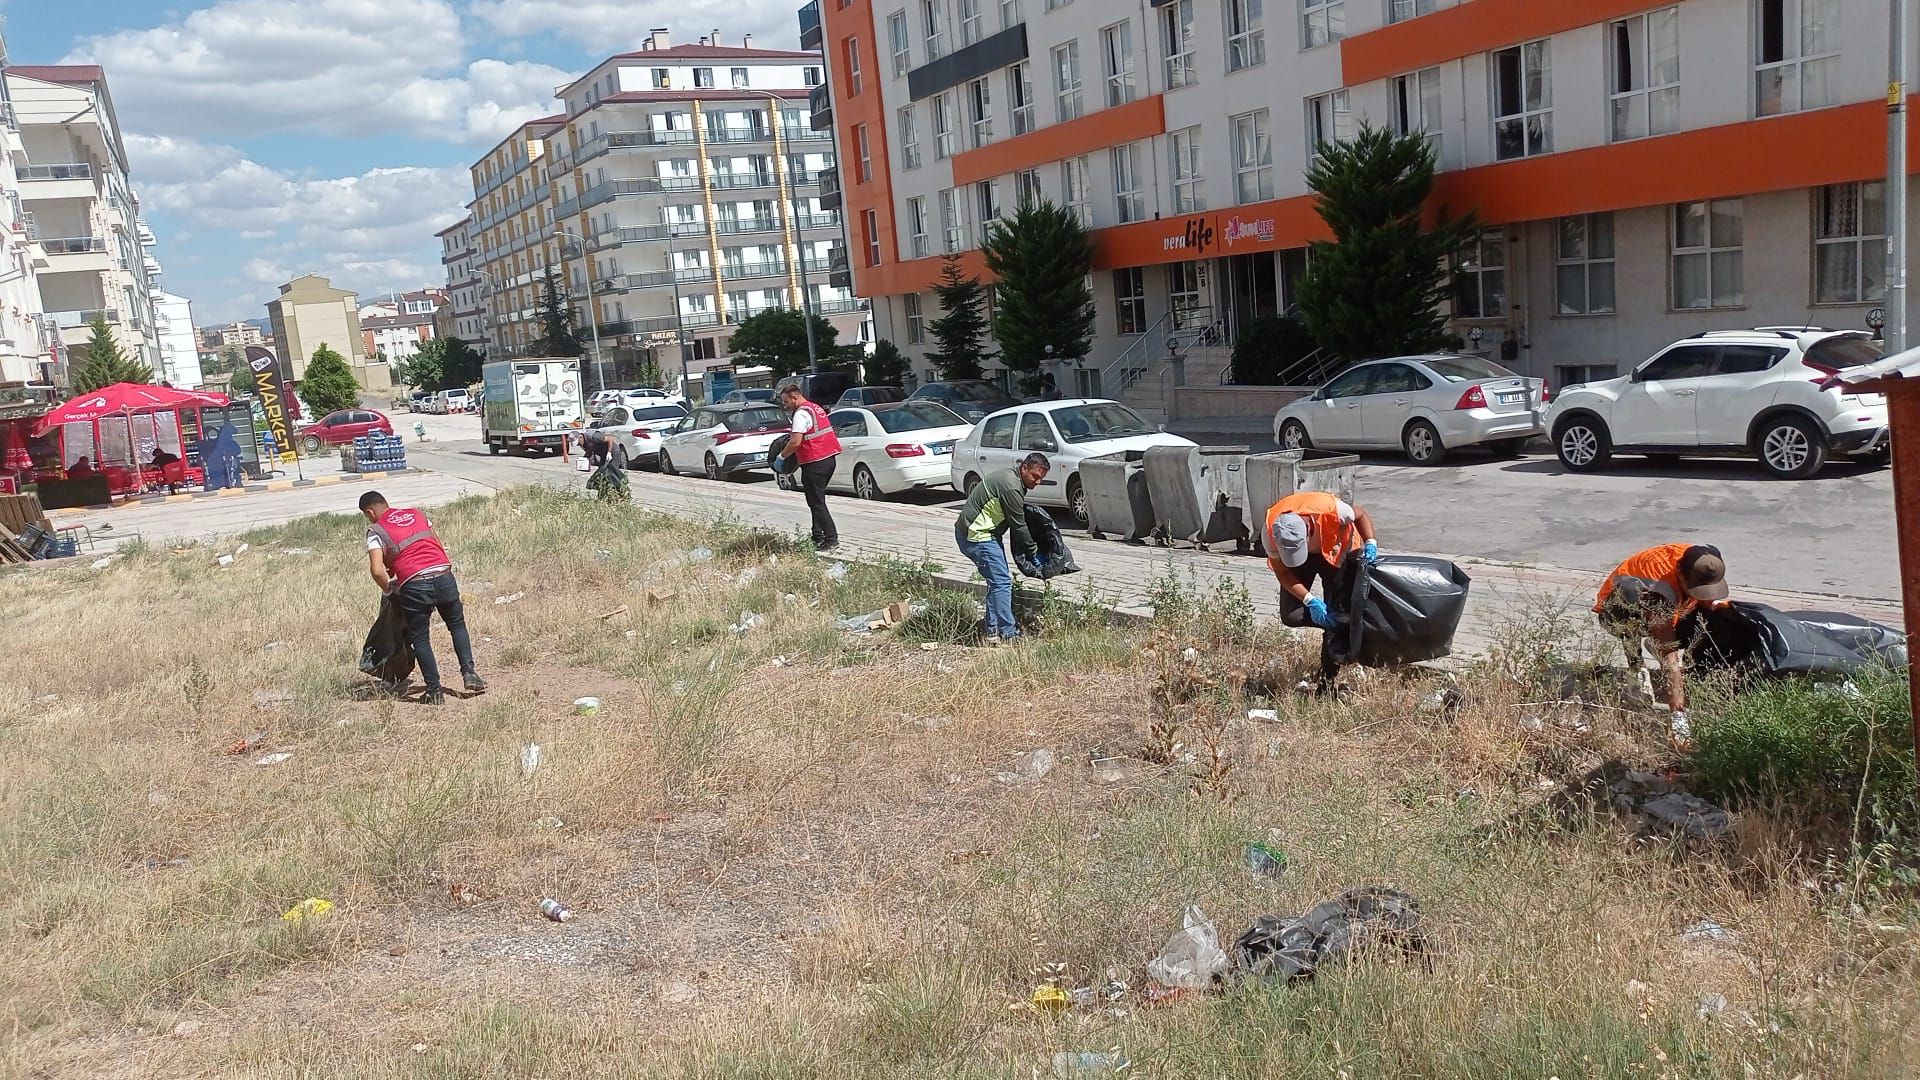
1772 392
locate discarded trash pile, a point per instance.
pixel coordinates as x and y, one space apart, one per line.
1364 921
1757 639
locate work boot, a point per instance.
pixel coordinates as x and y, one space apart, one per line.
473 682
433 697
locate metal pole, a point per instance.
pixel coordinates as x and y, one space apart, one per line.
806 295
593 315
679 331
1896 303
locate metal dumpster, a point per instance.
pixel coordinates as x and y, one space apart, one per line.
1115 487
1198 492
1272 477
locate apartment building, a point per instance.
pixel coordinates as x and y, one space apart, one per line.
394 328
309 313
75 186
512 230
240 335
28 343
465 316
179 350
1642 170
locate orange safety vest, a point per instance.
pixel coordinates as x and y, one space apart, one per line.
1322 512
1660 565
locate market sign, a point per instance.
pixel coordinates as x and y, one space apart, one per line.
1196 235
1249 231
270 384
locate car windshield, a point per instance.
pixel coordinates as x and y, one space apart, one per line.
659 412
756 419
1842 352
979 392
755 395
1100 420
1466 368
916 416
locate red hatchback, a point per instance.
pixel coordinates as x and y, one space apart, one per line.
341 428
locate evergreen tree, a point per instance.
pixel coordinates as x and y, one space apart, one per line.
1376 289
1041 256
777 339
328 385
559 325
460 365
105 363
885 366
960 334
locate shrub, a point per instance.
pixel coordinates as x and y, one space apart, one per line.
1268 350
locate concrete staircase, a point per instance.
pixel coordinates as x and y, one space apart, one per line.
1151 395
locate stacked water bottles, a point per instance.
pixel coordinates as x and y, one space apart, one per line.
376 452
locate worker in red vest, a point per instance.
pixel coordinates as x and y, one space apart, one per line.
408 563
1311 534
815 449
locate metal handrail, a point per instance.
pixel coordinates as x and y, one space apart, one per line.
78 170
74 245
1118 363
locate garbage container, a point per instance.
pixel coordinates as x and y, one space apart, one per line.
1115 487
1272 477
1198 493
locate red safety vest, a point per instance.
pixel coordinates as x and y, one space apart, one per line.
820 443
410 543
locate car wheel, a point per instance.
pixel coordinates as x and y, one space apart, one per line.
1293 436
713 466
966 486
493 448
666 464
1583 444
864 485
1077 501
1422 444
311 444
1791 448
620 460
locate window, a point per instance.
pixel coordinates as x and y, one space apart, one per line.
1036 433
1252 158
1798 66
1177 44
942 125
662 79
1480 277
1130 300
1020 97
1127 199
973 22
870 232
864 148
1402 10
950 236
1414 102
810 76
1009 13
1644 74
849 425
1027 188
986 200
1073 189
1066 80
996 432
1349 384
916 323
980 111
1708 266
909 140
1398 379
1187 194
1246 41
703 77
933 27
739 77
853 66
1322 22
1682 362
1329 120
1747 359
901 41
1849 243
1583 265
1522 102
1116 58
1183 294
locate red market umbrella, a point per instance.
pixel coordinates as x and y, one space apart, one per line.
125 399
13 450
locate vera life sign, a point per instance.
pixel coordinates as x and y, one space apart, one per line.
271 385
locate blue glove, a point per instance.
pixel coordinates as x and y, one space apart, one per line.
1370 552
1317 611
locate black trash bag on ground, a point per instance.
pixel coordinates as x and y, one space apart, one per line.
1364 919
1054 559
1757 639
387 654
1403 609
609 482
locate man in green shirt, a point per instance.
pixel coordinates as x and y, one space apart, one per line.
999 503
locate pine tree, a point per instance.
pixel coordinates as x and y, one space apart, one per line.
885 366
328 385
1376 289
559 326
105 363
960 334
1041 256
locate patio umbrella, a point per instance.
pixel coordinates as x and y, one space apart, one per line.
125 399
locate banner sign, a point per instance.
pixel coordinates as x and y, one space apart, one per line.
270 383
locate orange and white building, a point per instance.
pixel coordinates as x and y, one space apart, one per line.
1642 170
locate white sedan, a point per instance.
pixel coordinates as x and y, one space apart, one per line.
722 440
1422 405
1068 432
889 448
635 433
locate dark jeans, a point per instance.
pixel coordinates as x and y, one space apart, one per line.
419 599
813 480
1336 588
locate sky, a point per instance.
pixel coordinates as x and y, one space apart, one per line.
271 138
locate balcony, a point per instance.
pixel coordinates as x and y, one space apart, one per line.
64 181
737 181
741 225
839 307
828 220
829 181
810 29
630 234
7 118
739 135
614 189
77 253
628 140
838 274
820 101
742 270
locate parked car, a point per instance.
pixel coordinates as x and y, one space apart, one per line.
643 396
598 403
892 447
1422 405
1068 432
723 440
456 400
1771 392
747 397
341 428
973 399
420 401
635 433
857 396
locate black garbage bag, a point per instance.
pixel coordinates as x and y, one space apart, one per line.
387 654
1403 609
1364 919
1756 639
1053 558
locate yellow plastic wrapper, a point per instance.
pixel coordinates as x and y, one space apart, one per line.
313 907
1049 998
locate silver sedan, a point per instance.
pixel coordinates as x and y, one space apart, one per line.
1422 405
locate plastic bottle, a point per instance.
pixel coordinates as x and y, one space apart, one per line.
555 910
1072 1063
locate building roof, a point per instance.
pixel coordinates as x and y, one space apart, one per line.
463 223
714 52
638 96
60 73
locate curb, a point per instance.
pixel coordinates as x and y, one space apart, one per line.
325 480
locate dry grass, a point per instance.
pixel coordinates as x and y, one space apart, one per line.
809 868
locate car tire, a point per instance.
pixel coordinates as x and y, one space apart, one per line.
620 460
1422 443
1077 502
666 464
493 448
713 467
1293 436
1507 448
310 444
1583 444
1791 447
864 485
972 481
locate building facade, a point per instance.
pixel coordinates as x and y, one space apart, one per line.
28 342
241 335
393 329
179 350
1641 171
309 313
465 316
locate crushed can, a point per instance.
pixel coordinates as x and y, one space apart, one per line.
555 910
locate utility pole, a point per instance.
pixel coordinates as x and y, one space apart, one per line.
1896 303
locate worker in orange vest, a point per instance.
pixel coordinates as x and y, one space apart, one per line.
1312 534
1646 597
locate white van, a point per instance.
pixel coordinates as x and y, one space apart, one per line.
456 401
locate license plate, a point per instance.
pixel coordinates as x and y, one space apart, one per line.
1511 399
756 457
938 449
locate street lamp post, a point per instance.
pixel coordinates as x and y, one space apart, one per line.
793 231
1896 212
593 315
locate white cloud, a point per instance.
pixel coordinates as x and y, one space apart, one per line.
609 26
339 67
